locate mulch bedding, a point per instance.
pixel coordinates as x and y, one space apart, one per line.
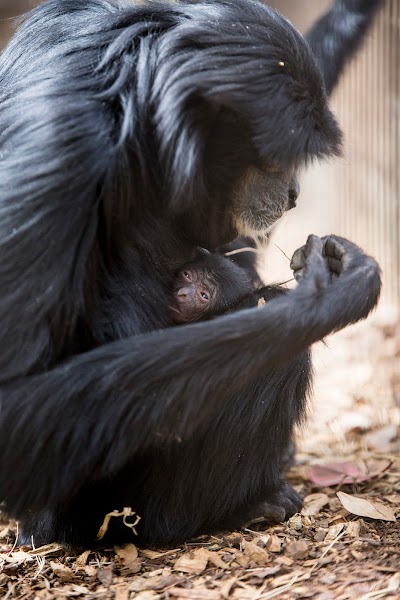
338 547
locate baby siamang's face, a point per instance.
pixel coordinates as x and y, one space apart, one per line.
195 294
207 286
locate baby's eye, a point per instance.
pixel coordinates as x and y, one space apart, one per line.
205 295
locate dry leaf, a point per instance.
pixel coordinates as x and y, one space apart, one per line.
63 572
194 563
105 575
127 554
82 559
47 550
346 472
18 556
242 560
255 553
216 560
366 508
313 503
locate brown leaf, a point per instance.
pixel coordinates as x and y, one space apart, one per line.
313 503
18 556
63 572
366 508
105 575
82 559
255 553
242 560
47 550
128 555
216 560
194 563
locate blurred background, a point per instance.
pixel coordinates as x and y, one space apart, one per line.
357 196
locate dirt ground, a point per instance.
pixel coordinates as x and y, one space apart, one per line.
345 544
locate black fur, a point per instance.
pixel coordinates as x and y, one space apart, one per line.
208 286
338 34
129 135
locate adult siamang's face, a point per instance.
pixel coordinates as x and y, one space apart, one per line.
250 207
262 197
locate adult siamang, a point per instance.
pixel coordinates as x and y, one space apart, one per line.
131 134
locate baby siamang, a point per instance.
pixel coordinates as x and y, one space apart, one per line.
212 285
131 134
208 286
